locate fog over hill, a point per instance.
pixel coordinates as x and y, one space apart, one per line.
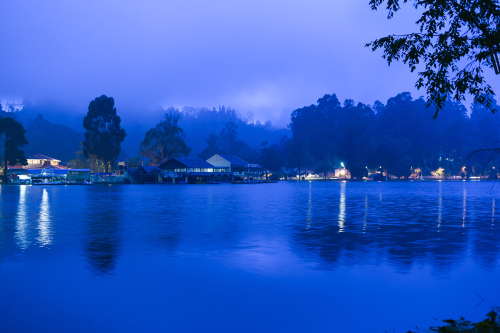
197 124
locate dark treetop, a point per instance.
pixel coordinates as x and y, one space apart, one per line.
165 140
12 137
457 39
103 136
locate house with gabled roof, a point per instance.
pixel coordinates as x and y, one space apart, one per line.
241 170
145 174
39 161
192 170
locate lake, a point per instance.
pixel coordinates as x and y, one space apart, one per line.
286 257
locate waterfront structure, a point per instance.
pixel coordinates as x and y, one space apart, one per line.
78 175
103 177
241 170
19 175
342 173
145 174
124 174
193 170
47 175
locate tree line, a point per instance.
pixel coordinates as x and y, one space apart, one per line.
401 137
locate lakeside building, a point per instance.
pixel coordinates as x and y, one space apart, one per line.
17 175
39 161
241 170
78 175
191 171
52 175
48 175
144 174
342 173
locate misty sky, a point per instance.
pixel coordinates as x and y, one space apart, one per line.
264 57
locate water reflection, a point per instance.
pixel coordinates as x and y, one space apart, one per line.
464 205
493 213
44 228
325 224
440 205
21 234
309 207
102 219
342 207
406 233
365 217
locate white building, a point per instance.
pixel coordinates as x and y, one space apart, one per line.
41 161
240 169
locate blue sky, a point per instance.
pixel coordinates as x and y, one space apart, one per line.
264 57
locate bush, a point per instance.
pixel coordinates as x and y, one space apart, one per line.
277 176
490 325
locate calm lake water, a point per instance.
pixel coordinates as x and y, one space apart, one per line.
287 257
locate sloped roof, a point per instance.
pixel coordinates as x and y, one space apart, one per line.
15 166
41 157
146 168
235 160
194 162
59 167
149 168
54 171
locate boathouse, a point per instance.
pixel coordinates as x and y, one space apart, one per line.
78 175
145 174
192 170
242 170
48 175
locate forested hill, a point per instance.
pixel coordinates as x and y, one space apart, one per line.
398 136
199 124
46 138
56 130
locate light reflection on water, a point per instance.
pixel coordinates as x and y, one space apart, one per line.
21 234
44 228
342 207
318 234
403 231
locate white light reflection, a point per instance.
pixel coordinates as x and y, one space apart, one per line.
309 209
379 205
342 207
365 219
44 232
21 235
440 206
493 213
464 208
